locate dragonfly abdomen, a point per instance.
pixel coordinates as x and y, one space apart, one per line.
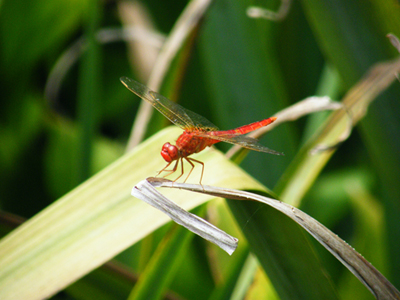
246 128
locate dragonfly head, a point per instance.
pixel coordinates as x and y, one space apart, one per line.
169 152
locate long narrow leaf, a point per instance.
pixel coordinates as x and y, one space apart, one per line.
306 166
96 221
379 286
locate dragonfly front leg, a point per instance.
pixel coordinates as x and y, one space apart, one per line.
169 171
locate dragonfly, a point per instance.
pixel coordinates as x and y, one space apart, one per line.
198 134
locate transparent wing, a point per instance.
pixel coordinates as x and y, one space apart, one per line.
178 115
241 140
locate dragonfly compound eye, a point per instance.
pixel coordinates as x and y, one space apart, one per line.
169 152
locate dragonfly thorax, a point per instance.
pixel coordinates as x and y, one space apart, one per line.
169 152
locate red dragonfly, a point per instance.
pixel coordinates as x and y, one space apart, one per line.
199 132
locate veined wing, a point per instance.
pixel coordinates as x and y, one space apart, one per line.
178 115
241 140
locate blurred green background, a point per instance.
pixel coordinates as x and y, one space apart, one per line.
60 125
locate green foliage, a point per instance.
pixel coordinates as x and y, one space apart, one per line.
233 70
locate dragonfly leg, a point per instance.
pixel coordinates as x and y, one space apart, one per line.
170 171
180 159
190 161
